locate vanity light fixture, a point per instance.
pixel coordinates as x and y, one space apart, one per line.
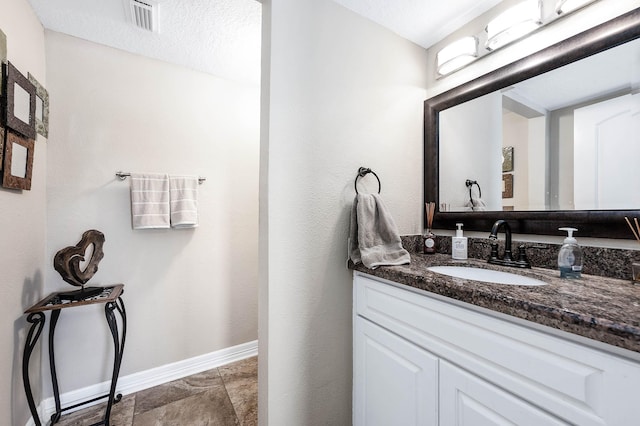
568 6
457 54
514 23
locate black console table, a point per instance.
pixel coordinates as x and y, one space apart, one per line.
56 302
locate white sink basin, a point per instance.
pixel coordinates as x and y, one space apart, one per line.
485 275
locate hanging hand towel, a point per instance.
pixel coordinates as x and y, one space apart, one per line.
476 205
184 201
149 201
374 238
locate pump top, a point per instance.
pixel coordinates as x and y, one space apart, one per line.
459 230
570 239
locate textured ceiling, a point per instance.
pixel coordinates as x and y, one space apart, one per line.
222 37
424 22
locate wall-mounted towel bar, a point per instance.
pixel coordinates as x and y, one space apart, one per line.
124 175
362 172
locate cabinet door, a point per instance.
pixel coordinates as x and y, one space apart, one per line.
468 400
395 382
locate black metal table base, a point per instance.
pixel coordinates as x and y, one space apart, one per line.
37 320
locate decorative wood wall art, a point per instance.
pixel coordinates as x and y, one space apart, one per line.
18 161
20 103
507 185
42 107
67 261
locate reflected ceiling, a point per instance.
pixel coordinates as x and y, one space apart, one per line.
568 81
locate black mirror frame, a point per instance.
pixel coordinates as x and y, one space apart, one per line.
593 223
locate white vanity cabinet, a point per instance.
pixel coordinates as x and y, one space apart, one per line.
422 359
396 382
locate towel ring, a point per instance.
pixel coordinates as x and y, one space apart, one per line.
470 184
362 172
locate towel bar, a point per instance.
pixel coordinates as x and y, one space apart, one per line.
124 175
362 172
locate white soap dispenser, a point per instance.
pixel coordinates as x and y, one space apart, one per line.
570 256
459 244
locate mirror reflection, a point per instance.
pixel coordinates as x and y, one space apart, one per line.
573 134
19 160
39 108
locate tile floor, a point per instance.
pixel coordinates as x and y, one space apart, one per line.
226 395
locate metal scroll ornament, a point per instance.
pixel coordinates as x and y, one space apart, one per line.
68 264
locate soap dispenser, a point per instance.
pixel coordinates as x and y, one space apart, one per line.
459 244
570 256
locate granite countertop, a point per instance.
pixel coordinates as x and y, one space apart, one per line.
599 308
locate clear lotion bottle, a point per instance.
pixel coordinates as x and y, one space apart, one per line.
459 244
570 256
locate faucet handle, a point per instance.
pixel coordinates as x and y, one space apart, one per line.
522 255
494 249
522 252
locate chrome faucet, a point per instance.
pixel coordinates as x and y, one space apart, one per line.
507 258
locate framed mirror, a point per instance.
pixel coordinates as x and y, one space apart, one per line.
477 141
18 161
21 103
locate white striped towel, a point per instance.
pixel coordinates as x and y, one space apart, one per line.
184 201
149 201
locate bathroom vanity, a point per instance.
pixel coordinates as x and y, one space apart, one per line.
430 349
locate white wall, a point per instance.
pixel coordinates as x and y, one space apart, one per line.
535 161
515 133
339 92
22 228
187 292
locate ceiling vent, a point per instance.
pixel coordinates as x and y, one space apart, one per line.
144 15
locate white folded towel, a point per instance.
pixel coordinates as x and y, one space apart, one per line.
374 238
149 201
184 201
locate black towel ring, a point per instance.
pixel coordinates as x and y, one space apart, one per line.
362 172
470 184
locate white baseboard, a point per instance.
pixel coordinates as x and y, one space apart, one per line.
149 378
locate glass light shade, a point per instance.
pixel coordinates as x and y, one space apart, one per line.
568 6
457 54
514 23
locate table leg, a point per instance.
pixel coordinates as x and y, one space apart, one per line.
55 417
118 347
37 320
